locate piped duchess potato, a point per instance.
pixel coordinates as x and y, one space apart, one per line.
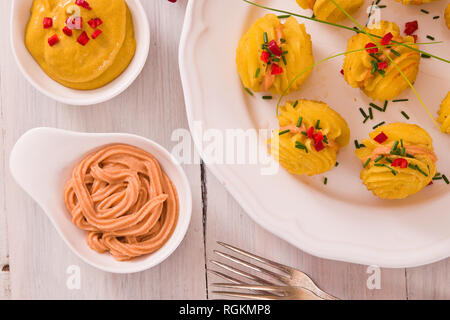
447 16
309 138
416 2
374 73
100 60
398 160
327 11
264 69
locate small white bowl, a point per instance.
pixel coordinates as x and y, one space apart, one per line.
20 15
42 161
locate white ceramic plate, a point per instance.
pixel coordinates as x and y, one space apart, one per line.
20 14
341 220
55 153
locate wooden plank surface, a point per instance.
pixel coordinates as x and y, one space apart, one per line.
34 260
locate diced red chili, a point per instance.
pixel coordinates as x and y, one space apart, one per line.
274 48
276 69
415 37
381 137
173 1
342 71
319 146
431 182
411 27
382 65
95 22
386 39
400 162
96 33
265 56
53 40
318 136
310 132
371 47
48 23
83 4
83 39
67 31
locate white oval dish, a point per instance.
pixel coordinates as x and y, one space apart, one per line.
340 220
20 14
42 161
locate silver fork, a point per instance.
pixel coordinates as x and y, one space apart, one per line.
296 284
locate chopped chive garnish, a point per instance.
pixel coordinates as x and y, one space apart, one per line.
424 11
378 158
394 146
373 105
284 16
299 122
405 115
284 60
283 132
370 113
430 37
282 40
300 145
426 56
382 6
409 155
325 180
385 105
356 144
365 119
276 59
336 164
396 52
386 166
445 179
363 113
378 1
401 143
267 97
304 133
266 39
435 17
325 139
403 151
366 163
257 72
437 178
416 167
248 91
400 100
388 160
317 125
295 104
380 124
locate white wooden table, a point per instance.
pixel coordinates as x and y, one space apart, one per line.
33 258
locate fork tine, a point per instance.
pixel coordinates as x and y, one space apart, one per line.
248 295
253 267
271 263
251 287
225 277
241 273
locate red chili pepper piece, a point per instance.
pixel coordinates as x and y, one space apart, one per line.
67 31
400 162
173 1
83 4
371 47
411 27
83 39
342 71
276 69
386 39
382 65
96 33
381 137
53 40
274 48
48 23
95 22
265 56
415 37
318 136
431 182
310 132
319 146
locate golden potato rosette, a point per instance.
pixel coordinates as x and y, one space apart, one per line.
444 114
327 11
416 2
309 138
372 71
398 160
447 16
271 54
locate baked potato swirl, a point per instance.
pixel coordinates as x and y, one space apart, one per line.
327 11
444 114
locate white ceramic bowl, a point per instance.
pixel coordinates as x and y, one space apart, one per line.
42 161
20 14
